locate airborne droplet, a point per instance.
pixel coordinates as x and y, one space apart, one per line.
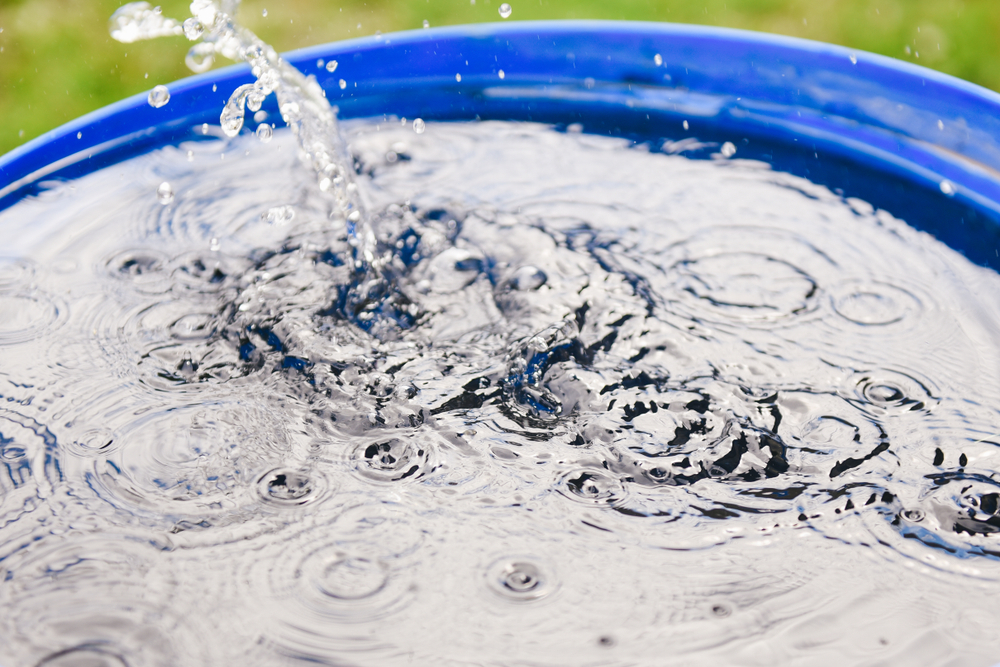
331 66
728 149
193 29
505 10
419 126
164 193
158 97
264 132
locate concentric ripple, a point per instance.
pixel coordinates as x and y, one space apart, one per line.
707 413
520 580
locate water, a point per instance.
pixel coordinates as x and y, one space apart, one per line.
603 405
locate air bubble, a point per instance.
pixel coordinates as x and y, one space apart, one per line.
264 132
164 193
158 97
419 126
505 10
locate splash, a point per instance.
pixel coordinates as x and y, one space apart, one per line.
301 100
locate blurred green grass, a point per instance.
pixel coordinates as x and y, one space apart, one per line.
57 61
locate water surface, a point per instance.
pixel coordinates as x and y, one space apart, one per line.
601 404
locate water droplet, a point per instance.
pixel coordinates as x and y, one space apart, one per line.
419 126
343 84
264 132
728 149
164 193
193 29
264 12
320 63
940 124
79 135
686 125
427 24
948 188
158 96
331 66
528 278
505 10
658 59
854 59
501 74
458 77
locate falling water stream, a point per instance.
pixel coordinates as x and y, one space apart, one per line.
586 401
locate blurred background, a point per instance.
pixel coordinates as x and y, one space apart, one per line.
58 62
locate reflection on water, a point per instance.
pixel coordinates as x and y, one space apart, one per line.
602 405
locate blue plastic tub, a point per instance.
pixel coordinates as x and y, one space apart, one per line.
922 145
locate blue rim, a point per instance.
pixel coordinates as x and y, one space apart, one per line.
869 112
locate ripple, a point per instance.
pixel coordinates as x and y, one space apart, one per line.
592 487
520 579
285 486
193 458
92 599
394 459
874 303
735 275
142 269
15 273
83 656
883 392
26 316
94 442
28 455
206 272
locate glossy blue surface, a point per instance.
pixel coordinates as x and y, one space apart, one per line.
868 126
